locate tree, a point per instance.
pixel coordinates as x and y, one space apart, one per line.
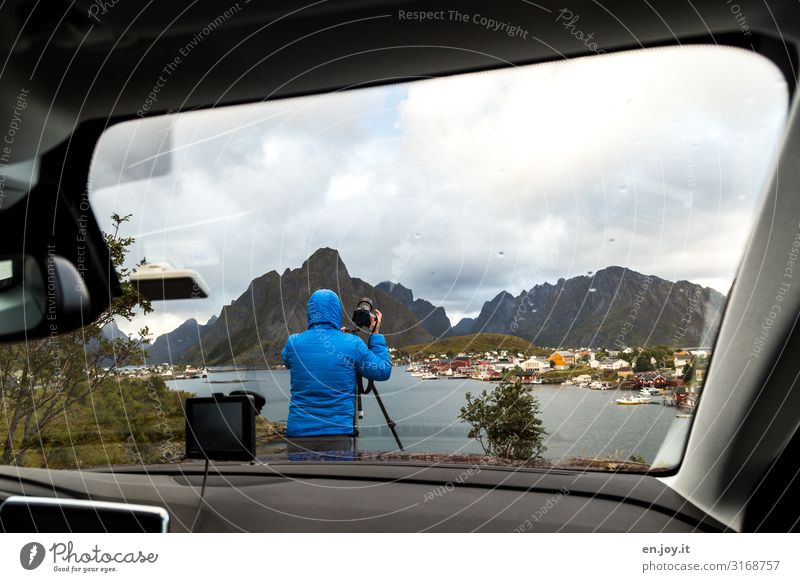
506 421
47 380
643 363
688 373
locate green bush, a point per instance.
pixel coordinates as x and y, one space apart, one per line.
506 422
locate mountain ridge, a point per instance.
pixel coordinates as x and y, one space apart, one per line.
606 309
614 307
434 319
254 327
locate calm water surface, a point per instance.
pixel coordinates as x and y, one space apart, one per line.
579 421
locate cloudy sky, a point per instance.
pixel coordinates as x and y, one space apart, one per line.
461 187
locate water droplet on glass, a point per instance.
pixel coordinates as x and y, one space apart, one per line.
623 189
611 240
592 290
417 235
501 254
589 272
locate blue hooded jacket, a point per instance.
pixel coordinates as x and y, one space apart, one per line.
323 362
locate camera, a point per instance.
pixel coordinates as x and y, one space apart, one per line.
362 316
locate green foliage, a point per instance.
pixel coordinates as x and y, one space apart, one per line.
688 372
662 354
643 364
571 373
506 422
122 421
44 383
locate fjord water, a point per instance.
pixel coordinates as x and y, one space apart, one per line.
580 422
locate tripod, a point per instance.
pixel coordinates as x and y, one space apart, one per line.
360 411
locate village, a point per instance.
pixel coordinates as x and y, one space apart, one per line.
659 374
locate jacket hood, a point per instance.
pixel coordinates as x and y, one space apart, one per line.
324 308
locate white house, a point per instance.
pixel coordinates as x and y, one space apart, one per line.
680 359
609 364
535 364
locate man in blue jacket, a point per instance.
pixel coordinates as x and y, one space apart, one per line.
323 362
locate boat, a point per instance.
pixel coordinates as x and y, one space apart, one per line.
417 373
650 391
459 376
568 382
683 416
204 372
633 400
597 385
428 376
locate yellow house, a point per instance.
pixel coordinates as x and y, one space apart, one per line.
562 360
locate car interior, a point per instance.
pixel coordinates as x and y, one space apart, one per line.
84 67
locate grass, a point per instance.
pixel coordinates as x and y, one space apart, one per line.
475 343
125 421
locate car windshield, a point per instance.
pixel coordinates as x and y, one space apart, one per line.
550 248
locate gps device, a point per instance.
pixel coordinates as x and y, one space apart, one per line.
221 428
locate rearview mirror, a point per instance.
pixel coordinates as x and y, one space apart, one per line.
38 294
22 294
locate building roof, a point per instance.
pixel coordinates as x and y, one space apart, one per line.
650 375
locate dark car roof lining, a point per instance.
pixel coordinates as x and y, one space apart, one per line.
114 84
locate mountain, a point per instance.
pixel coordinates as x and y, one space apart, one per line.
479 342
614 307
432 318
254 327
463 327
169 347
111 331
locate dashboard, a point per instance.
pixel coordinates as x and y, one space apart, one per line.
363 497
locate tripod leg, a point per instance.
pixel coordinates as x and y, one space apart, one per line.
389 422
358 413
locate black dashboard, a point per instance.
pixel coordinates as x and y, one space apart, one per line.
365 497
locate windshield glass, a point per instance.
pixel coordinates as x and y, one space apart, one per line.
550 248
